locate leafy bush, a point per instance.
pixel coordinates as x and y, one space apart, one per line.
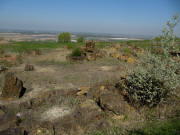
64 37
155 76
80 39
152 81
76 52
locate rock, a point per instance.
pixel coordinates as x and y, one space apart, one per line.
83 91
9 120
29 67
117 55
55 113
91 57
112 50
13 131
118 46
131 60
118 117
90 104
102 88
101 53
90 46
13 87
89 113
113 102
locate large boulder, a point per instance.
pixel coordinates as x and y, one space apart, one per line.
13 87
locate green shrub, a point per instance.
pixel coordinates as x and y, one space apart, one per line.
155 76
76 52
64 37
152 81
80 39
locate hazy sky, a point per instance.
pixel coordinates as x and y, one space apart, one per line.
142 17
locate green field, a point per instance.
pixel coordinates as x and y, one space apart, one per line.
33 45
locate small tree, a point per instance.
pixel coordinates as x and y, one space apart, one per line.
64 37
168 36
80 39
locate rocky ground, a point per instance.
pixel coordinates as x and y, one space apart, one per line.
64 98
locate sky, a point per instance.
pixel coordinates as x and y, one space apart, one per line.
139 17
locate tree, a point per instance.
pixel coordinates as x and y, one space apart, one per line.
80 39
166 42
64 37
168 36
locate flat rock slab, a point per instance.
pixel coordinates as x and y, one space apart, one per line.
113 102
55 112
